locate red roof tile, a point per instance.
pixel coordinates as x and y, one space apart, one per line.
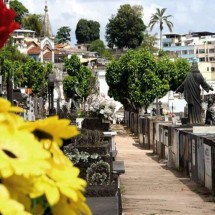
47 55
34 50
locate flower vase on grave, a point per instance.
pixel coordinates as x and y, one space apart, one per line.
174 120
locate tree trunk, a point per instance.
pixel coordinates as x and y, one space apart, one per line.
157 106
161 40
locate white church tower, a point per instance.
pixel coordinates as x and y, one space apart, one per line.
47 40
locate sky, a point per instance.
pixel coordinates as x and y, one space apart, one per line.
188 15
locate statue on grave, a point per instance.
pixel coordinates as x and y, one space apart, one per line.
75 100
210 113
192 93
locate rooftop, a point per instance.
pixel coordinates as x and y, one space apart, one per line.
23 31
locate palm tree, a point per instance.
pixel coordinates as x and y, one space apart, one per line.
160 18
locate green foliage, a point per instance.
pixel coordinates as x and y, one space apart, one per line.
36 75
182 69
107 54
33 22
73 65
97 46
81 159
12 53
77 74
149 42
166 68
24 70
86 82
94 27
69 86
20 10
87 31
63 35
137 78
125 30
88 137
98 173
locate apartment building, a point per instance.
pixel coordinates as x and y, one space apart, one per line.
195 45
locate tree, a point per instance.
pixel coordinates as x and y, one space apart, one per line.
97 46
36 75
77 74
160 18
20 10
94 27
125 30
33 22
25 71
10 52
149 42
107 54
87 31
63 35
133 80
72 65
182 69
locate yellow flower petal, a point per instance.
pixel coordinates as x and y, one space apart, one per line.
48 187
66 206
52 128
21 154
9 206
5 106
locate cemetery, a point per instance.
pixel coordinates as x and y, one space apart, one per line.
125 127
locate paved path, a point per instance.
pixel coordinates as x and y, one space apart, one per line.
149 187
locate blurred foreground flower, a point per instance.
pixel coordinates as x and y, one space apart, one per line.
35 176
7 23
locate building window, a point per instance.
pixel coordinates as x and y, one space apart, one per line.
211 51
191 52
201 59
201 51
212 59
212 69
207 69
184 52
166 44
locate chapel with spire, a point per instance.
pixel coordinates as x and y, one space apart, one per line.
46 28
47 38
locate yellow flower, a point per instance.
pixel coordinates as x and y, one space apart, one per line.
12 120
9 206
5 106
58 156
66 206
67 181
21 154
61 179
20 188
48 187
51 128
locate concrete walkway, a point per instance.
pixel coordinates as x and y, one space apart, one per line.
150 187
